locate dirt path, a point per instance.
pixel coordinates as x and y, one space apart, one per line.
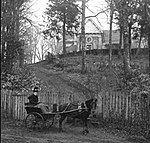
72 134
61 82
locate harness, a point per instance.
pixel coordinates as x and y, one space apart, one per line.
66 108
82 105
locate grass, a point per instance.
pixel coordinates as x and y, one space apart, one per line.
96 68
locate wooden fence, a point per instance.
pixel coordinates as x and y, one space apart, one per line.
12 103
112 106
124 107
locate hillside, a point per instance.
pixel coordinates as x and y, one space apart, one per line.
60 81
69 80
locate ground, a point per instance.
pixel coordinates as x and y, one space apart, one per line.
13 132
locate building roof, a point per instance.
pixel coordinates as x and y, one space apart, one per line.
92 27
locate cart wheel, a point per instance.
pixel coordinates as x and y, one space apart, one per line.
34 121
49 122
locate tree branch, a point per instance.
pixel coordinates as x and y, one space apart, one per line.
96 16
103 11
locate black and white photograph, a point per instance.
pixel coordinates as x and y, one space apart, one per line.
75 71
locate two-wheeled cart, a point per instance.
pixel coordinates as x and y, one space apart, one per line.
36 119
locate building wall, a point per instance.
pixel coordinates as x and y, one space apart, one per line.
93 41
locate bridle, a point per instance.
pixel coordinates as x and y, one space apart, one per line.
93 105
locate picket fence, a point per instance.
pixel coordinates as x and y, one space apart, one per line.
112 106
13 103
124 108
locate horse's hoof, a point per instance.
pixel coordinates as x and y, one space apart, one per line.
84 132
87 131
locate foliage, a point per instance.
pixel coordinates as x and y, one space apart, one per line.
12 17
56 10
21 79
143 17
135 79
98 76
62 16
133 19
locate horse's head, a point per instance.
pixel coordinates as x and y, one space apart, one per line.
91 104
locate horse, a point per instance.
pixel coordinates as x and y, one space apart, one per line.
80 111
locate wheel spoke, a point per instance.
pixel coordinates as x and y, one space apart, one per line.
30 121
34 121
49 122
39 123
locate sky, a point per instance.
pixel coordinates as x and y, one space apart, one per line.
94 6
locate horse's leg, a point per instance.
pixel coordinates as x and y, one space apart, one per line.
60 122
73 122
85 127
83 122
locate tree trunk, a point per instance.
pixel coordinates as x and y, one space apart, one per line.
126 57
83 36
149 48
130 27
120 41
147 29
139 46
10 33
64 35
126 51
3 48
34 56
110 36
3 45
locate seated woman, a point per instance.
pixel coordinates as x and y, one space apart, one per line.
33 100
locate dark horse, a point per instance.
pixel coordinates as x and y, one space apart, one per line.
80 111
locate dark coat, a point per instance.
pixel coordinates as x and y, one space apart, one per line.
33 99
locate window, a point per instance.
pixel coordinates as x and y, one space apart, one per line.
89 39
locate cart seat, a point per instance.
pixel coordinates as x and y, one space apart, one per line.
31 108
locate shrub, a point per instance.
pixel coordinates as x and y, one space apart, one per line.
20 79
134 79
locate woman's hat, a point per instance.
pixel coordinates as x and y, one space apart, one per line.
35 89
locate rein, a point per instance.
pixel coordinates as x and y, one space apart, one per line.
66 108
79 107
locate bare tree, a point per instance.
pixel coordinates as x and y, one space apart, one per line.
36 45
